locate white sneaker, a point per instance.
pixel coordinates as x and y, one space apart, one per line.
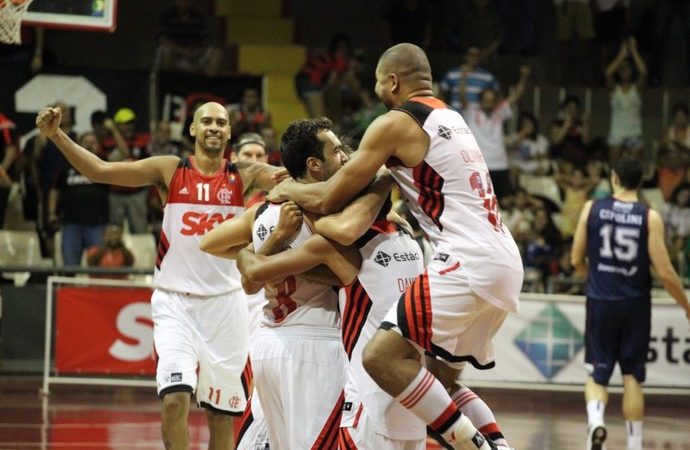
596 435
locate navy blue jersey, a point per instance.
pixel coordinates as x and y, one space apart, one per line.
617 251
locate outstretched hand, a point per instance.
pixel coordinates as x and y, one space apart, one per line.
48 121
279 193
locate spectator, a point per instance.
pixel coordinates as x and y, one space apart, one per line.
674 153
570 134
677 220
481 28
529 149
576 188
574 33
486 122
625 132
112 252
161 143
8 154
249 116
611 26
268 134
80 206
542 248
320 71
518 215
185 40
251 147
477 80
43 163
408 21
127 202
346 95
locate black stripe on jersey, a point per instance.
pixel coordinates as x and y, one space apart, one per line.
245 422
260 210
418 111
185 163
357 308
430 185
232 168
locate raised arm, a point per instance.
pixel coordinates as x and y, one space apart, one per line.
579 250
352 222
662 262
639 63
613 66
393 134
519 90
229 237
156 170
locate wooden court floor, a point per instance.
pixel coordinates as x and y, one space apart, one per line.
99 418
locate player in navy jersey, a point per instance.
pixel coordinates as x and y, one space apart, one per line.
616 241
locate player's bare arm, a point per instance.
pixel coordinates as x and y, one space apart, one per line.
577 254
316 250
662 262
258 175
393 134
352 222
228 238
149 171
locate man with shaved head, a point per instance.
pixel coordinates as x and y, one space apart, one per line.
453 310
200 326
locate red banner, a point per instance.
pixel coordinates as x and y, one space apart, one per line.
104 330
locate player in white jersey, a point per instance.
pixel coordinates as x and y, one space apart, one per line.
455 308
200 327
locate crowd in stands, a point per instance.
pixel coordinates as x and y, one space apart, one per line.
542 173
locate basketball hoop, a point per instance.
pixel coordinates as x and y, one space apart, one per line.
11 12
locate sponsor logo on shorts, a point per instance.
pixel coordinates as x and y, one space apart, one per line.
347 406
234 402
441 257
550 341
175 377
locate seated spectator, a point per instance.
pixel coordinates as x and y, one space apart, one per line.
625 131
542 248
570 134
79 206
677 219
249 116
128 202
563 282
529 149
186 40
518 215
674 152
112 252
477 80
321 70
486 122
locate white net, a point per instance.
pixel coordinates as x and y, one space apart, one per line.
11 12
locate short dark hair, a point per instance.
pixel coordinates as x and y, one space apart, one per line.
629 171
249 138
299 142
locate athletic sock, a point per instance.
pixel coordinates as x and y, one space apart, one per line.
595 412
634 429
426 398
479 413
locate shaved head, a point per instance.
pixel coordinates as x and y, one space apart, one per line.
213 106
407 61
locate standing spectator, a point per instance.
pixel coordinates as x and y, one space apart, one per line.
321 70
268 134
112 252
617 241
481 28
129 202
44 163
486 121
611 26
570 134
408 21
249 116
251 148
476 78
625 132
186 40
8 154
529 149
574 33
80 206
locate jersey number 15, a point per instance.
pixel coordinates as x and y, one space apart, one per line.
622 242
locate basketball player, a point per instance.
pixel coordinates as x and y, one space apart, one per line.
457 305
299 340
620 238
195 306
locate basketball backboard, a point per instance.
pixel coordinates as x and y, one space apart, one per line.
97 15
